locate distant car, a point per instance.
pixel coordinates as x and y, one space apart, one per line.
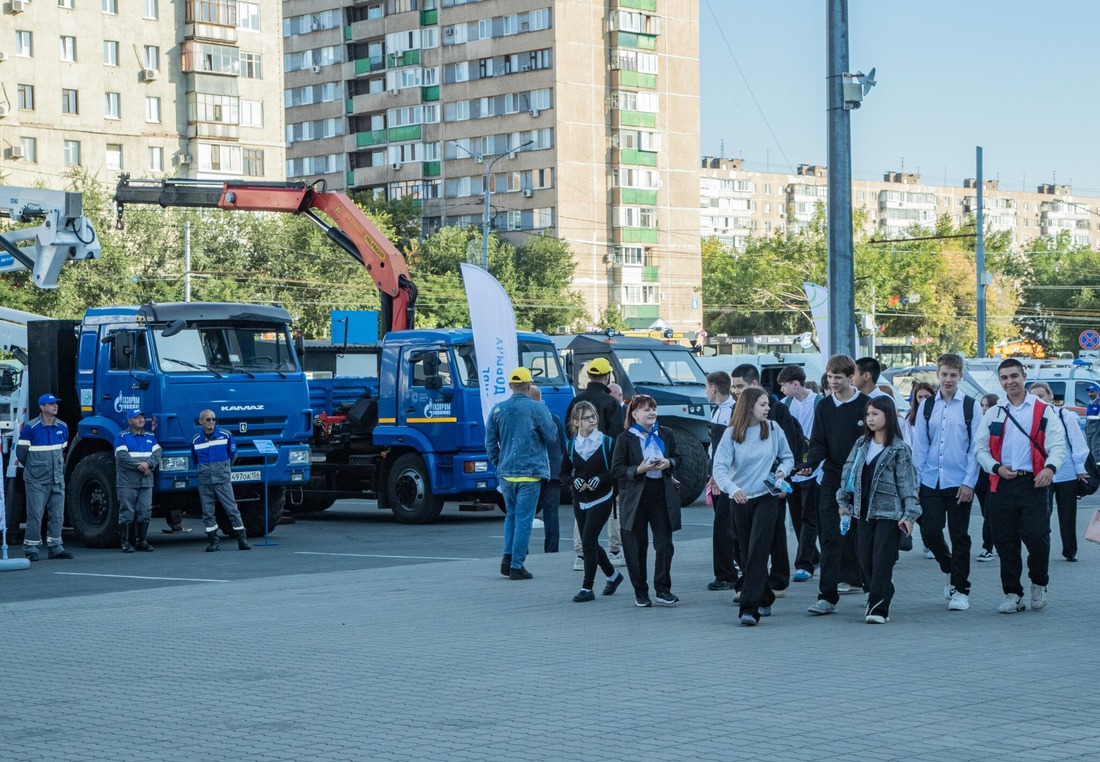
904 379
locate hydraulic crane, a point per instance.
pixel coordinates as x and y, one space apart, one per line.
61 235
349 228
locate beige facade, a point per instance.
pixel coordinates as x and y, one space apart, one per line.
736 204
601 99
150 87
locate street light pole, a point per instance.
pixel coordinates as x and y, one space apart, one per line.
485 159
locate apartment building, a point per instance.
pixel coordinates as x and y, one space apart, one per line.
577 119
151 87
736 203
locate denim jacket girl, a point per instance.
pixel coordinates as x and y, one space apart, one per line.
893 493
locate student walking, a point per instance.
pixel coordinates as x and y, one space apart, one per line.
1063 490
981 491
879 488
752 453
587 465
803 499
643 462
724 552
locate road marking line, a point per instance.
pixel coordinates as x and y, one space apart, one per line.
375 555
134 576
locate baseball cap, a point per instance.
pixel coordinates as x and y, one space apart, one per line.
599 367
520 376
47 399
1094 388
133 413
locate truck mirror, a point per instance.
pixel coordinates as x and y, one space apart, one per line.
300 347
123 345
173 328
433 383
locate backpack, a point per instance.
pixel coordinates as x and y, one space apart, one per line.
605 449
968 418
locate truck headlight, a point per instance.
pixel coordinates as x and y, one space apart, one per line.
175 463
475 467
298 457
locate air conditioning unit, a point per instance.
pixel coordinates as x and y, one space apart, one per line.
3 110
316 69
3 56
525 25
525 68
395 166
449 32
184 159
528 193
394 91
15 152
534 113
148 75
16 6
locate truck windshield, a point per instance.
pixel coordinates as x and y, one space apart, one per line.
226 349
542 359
660 367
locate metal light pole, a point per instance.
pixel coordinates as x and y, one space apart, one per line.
489 160
979 256
841 267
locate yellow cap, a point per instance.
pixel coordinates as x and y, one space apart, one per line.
599 367
520 376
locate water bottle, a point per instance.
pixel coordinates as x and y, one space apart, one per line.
784 486
845 523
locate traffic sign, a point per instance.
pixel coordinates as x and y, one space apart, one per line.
1089 339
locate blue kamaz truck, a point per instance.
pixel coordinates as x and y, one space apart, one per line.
401 421
172 361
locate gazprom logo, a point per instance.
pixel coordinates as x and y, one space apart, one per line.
123 402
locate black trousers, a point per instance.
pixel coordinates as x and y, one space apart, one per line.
779 578
591 522
652 514
756 522
878 551
804 499
981 491
549 499
1064 495
938 506
1018 513
839 560
723 540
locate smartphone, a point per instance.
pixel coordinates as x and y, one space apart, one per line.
904 529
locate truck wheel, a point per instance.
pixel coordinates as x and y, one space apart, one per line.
410 491
252 514
693 471
92 501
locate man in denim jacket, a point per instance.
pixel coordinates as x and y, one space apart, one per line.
518 437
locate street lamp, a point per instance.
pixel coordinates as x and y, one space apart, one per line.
489 160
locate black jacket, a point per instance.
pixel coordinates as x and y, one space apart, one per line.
624 467
836 429
573 466
607 407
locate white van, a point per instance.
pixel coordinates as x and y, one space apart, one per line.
769 366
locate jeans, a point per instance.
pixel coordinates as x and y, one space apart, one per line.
591 521
520 500
938 506
878 551
756 522
1018 512
549 498
805 499
1064 494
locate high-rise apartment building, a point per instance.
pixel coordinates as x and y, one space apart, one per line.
578 119
191 88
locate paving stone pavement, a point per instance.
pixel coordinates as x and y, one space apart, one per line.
452 661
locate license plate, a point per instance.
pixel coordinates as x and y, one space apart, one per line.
244 476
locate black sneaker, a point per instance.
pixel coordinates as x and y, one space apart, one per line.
666 598
613 585
520 573
31 555
584 596
64 554
719 584
506 564
643 602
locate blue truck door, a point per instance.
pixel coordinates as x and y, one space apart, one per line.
126 376
427 391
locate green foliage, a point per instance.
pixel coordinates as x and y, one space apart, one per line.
1061 297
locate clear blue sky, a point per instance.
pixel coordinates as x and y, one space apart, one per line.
1018 78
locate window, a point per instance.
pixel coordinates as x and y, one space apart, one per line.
110 52
111 107
253 162
68 48
248 16
152 109
152 57
24 44
223 12
72 153
30 149
149 9
110 6
69 104
156 159
252 114
65 4
114 156
251 67
24 97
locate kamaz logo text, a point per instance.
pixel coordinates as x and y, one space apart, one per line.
240 408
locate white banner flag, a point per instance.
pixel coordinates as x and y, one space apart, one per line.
818 297
495 343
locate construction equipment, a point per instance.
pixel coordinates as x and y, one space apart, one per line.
62 234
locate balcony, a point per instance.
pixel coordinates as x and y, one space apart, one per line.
640 315
638 5
625 78
409 132
633 40
373 138
213 130
408 58
633 156
623 118
431 18
636 235
634 196
210 32
367 65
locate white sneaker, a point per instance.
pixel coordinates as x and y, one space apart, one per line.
959 602
929 554
821 607
985 556
780 593
1038 597
948 591
578 565
617 559
843 588
1011 604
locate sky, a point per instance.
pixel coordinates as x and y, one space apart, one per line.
1017 78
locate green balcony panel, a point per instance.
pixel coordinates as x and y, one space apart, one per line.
624 40
349 105
637 119
637 79
429 93
347 33
351 178
412 132
362 66
376 137
641 5
408 58
650 274
428 18
638 196
634 156
639 235
432 168
647 42
640 315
